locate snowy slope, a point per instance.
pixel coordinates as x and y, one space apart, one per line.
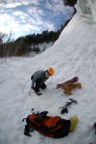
73 54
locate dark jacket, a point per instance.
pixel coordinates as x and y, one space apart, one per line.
39 75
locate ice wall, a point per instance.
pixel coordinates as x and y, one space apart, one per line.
87 8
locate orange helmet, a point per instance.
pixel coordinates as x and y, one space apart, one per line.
50 71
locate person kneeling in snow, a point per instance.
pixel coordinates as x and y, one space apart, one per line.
39 78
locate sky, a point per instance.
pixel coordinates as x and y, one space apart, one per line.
73 54
32 16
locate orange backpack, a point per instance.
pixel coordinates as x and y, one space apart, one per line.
55 127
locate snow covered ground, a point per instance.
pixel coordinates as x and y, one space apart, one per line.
73 54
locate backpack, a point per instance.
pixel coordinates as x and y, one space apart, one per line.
54 127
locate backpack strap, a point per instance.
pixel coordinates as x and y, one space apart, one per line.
41 117
27 130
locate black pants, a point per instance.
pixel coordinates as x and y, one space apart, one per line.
39 85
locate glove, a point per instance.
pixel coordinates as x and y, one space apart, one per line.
33 88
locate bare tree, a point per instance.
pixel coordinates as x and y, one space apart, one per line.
4 40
